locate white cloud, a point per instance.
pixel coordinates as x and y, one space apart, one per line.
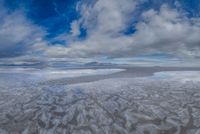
75 28
164 31
169 32
17 34
104 21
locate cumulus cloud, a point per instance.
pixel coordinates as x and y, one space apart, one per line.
166 31
17 34
103 20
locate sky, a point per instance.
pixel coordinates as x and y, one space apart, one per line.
136 32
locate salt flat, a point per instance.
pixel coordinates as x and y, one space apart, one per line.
130 101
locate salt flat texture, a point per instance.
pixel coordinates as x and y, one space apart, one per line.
160 104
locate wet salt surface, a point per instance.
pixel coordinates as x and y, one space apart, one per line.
52 73
182 76
165 103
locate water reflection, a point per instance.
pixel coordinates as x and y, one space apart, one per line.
182 76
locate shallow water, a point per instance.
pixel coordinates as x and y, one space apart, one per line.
165 103
183 76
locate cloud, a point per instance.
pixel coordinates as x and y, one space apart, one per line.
107 16
103 20
163 30
17 33
75 28
166 31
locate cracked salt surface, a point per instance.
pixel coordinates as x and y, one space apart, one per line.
166 103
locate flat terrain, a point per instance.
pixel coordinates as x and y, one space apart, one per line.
131 101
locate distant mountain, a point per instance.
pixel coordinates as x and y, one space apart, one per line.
24 65
92 63
56 64
99 64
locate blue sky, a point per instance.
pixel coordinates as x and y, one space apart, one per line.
138 32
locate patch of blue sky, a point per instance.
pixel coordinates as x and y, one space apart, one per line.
56 15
